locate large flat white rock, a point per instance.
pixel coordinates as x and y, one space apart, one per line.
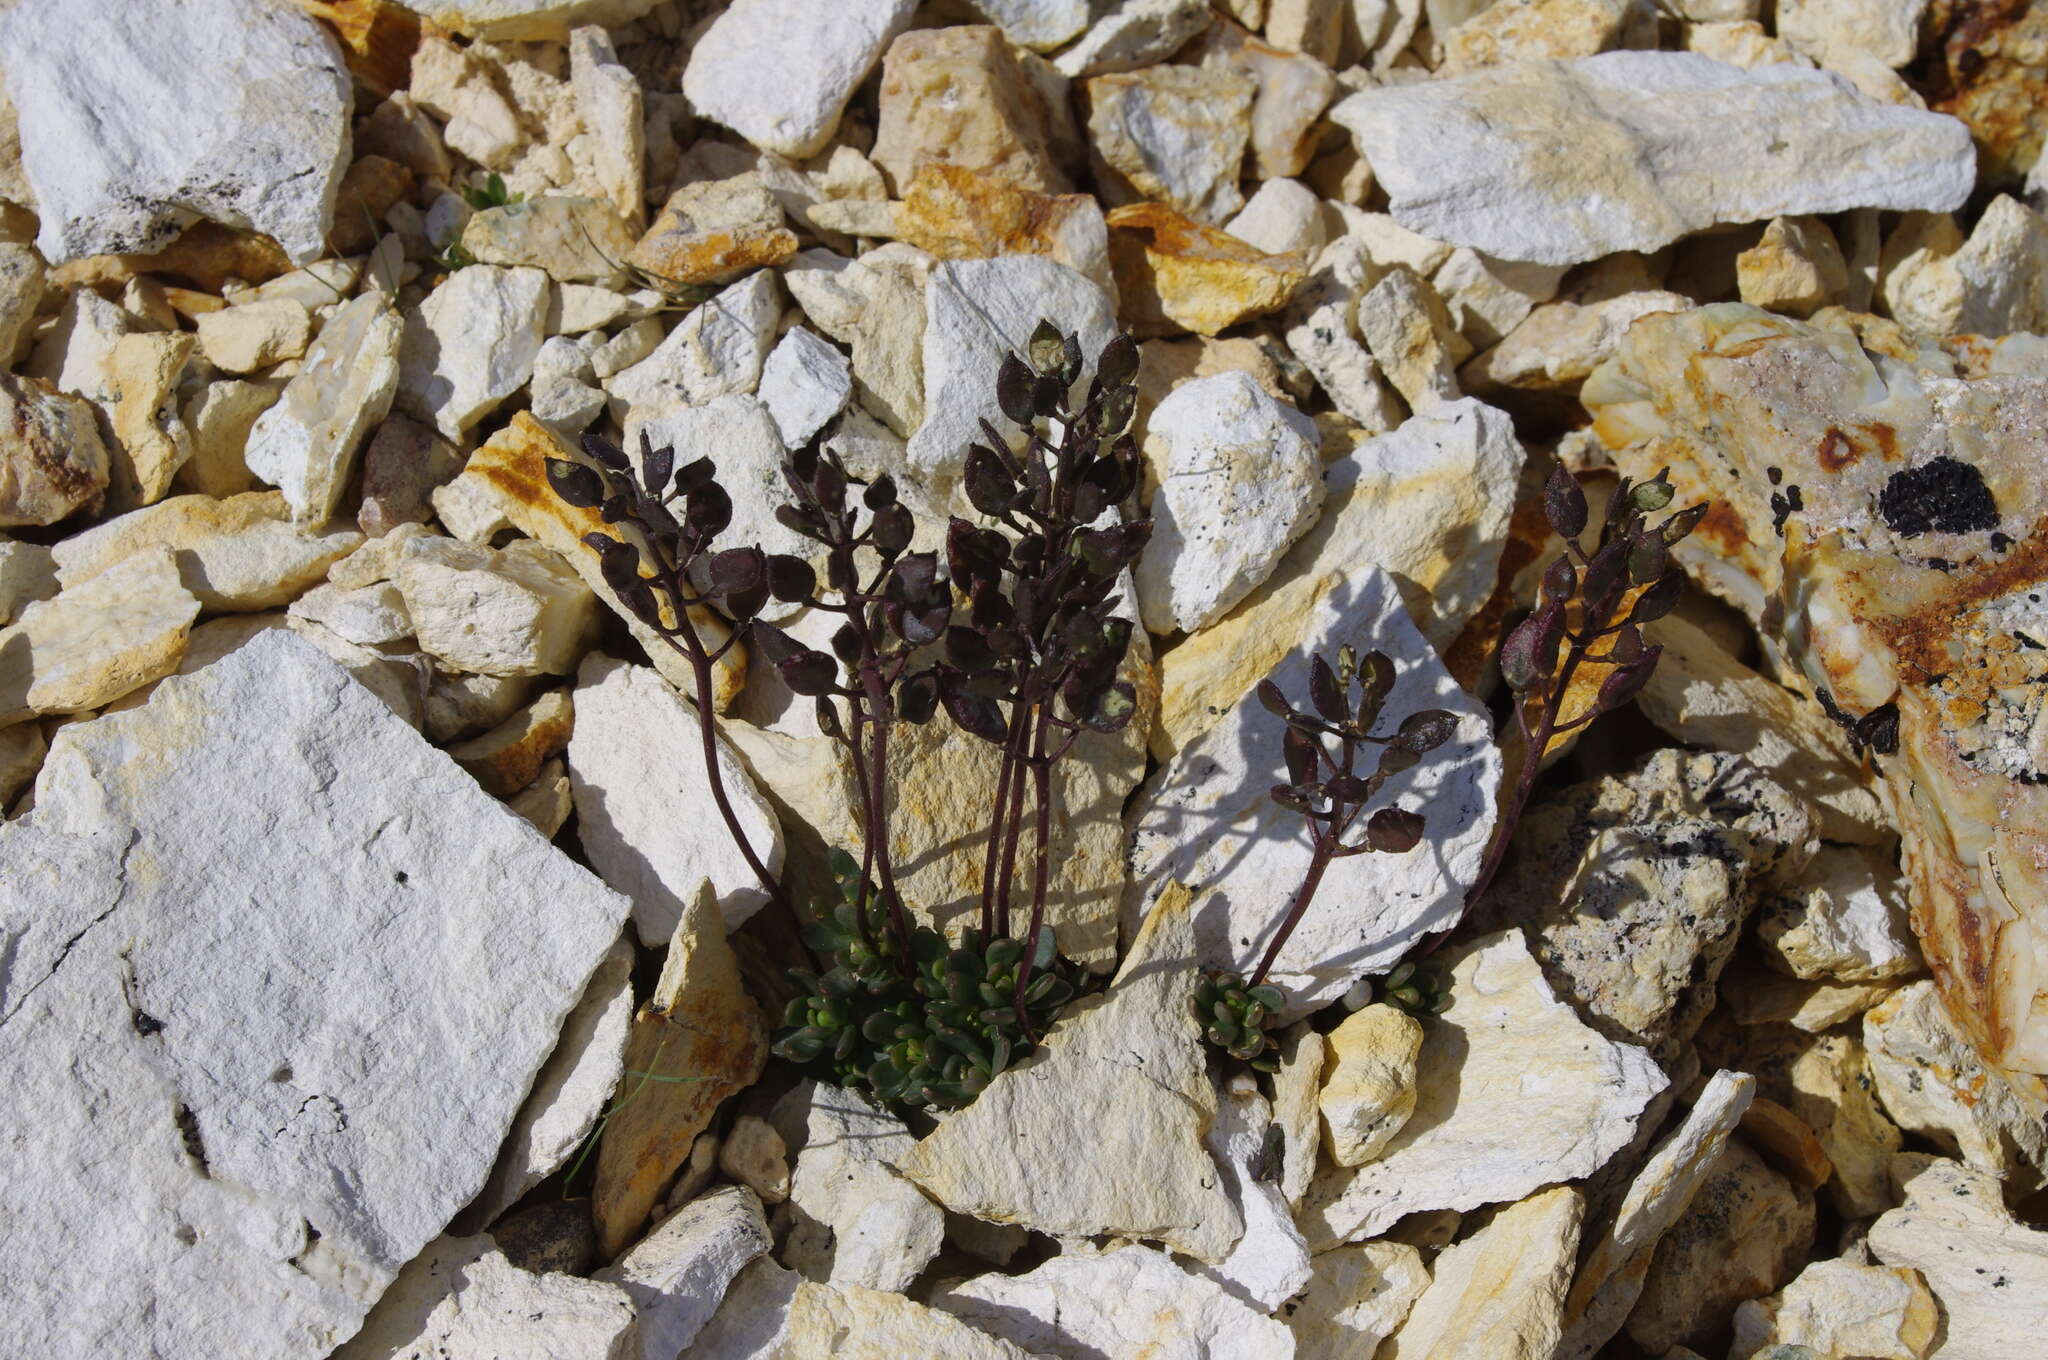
1563 161
1248 857
137 123
278 977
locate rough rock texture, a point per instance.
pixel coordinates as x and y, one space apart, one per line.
52 459
1744 1234
677 1274
1611 1280
635 762
698 1039
1635 888
854 1219
1239 482
1795 268
1500 1291
1243 869
1934 1084
461 1296
1842 1308
1358 1297
1429 503
1561 162
717 351
957 214
977 311
230 110
517 610
805 383
1846 922
818 54
710 231
1903 599
242 553
1702 696
1136 1050
1134 1301
958 96
306 442
150 439
1490 1125
774 1314
229 1155
1369 1084
1172 134
1270 1263
1174 274
471 345
1988 1271
97 640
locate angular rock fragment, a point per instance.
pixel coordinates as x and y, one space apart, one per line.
958 214
1409 333
306 443
958 96
1238 484
518 610
773 1314
856 1220
97 640
1294 89
1134 1301
510 756
461 1296
1175 274
678 1273
1488 1124
1611 1280
571 240
805 384
1368 1089
220 416
636 763
1845 921
229 110
1987 1270
1173 134
238 554
1500 1291
52 459
1270 1263
1244 869
818 54
1796 268
717 351
1934 1084
1138 1051
1359 1296
1842 1308
471 345
712 231
1507 159
28 572
1129 35
236 1116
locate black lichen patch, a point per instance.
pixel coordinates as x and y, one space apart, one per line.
1945 496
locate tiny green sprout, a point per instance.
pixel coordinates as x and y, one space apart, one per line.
491 194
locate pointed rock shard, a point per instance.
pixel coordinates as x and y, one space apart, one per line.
819 54
1988 1271
678 1273
1612 1278
1009 1157
1500 1292
97 641
1270 1263
696 1041
462 1297
857 1221
306 442
1251 857
1489 1125
244 1120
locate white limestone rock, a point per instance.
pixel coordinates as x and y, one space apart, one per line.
1134 1301
1359 1296
254 335
2002 271
231 110
774 1314
1173 134
53 459
1934 1083
1137 1050
461 1297
1040 25
1842 1308
306 442
1251 856
1500 1291
28 572
1129 34
1487 298
612 108
678 1273
1845 921
369 616
1611 1279
805 384
1270 1263
518 610
528 20
635 765
778 72
1368 1088
244 1118
855 1220
719 350
1988 1271
1490 1123
1284 217
1410 334
570 1091
97 640
242 553
1888 30
562 395
1296 1086
471 344
1239 481
1560 162
977 311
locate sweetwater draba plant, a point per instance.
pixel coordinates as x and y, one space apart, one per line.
1329 786
1021 646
